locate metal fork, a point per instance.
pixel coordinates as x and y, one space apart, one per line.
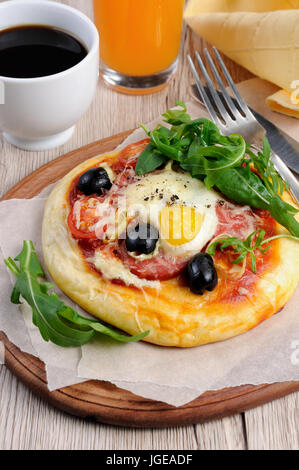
233 116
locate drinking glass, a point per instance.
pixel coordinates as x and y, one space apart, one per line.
139 42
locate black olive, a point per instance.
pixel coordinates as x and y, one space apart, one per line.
94 181
84 183
100 181
201 274
142 239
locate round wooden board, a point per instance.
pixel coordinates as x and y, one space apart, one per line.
101 400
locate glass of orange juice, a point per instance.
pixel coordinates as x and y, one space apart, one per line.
139 42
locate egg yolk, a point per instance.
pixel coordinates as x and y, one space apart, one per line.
180 224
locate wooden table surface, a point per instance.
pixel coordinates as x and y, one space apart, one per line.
26 422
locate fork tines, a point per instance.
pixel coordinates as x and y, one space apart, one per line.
223 109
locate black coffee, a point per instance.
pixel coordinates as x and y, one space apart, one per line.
37 51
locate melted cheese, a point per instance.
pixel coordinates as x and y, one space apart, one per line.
112 268
151 194
175 196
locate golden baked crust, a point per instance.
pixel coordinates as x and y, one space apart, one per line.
173 314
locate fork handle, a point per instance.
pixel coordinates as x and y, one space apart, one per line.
287 175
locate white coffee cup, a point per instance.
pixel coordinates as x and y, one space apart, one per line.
41 113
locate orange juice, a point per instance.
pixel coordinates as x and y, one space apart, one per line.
139 37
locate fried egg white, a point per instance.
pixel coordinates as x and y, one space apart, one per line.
179 206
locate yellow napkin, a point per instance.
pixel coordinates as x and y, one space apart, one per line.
260 35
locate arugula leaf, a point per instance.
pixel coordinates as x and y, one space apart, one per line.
70 314
56 322
265 168
221 157
150 161
221 162
243 248
177 116
197 145
242 186
283 213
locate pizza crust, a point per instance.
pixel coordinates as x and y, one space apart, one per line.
173 314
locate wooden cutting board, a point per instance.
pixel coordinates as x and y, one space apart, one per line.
101 400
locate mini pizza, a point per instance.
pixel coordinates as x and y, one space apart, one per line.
132 250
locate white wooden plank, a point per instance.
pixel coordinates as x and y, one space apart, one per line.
224 434
27 423
274 426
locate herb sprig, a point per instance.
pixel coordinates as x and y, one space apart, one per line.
243 248
265 168
56 321
219 161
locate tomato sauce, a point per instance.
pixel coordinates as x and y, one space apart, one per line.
163 266
234 290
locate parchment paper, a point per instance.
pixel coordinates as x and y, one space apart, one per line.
267 354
